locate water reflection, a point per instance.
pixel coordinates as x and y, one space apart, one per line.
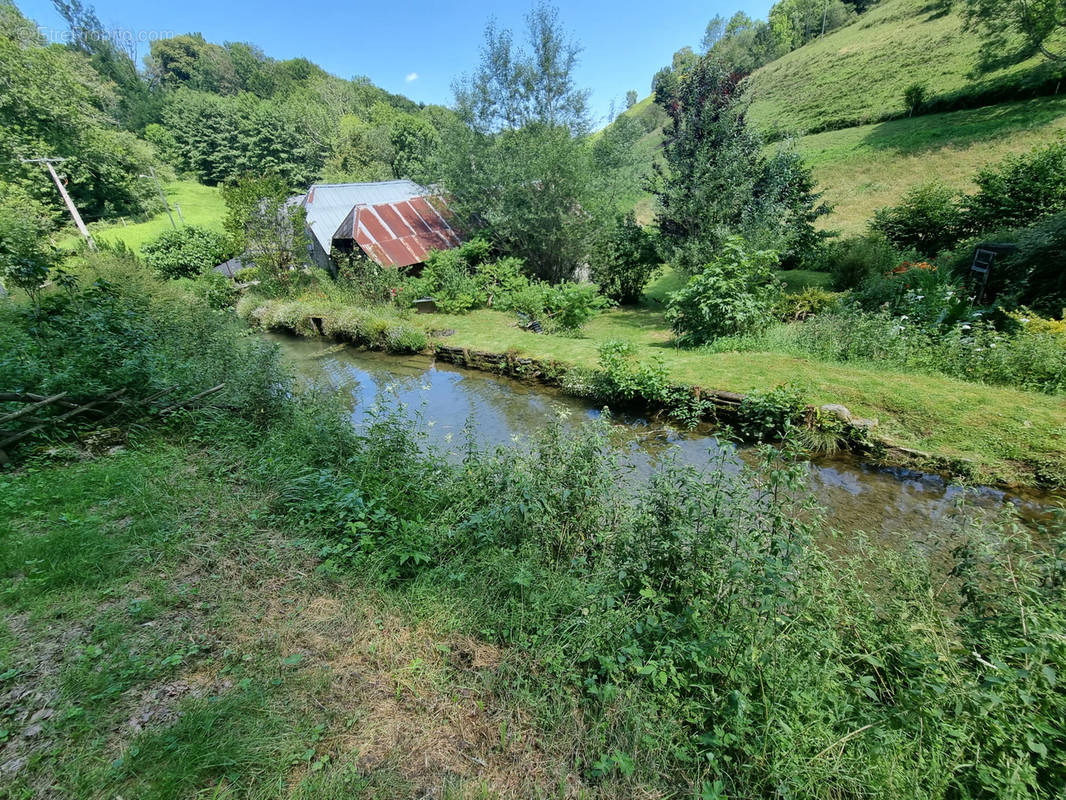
500 410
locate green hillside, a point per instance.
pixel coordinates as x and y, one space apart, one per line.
867 167
850 84
192 202
858 73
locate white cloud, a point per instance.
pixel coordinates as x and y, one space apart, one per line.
411 76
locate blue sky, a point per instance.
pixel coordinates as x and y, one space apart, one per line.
625 41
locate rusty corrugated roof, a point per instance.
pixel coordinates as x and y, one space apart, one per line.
402 233
327 204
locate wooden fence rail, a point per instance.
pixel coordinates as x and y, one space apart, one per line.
109 405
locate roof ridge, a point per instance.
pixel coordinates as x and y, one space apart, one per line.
368 183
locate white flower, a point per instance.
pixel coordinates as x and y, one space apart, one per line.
992 345
966 327
1025 319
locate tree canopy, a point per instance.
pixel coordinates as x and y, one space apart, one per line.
719 180
518 163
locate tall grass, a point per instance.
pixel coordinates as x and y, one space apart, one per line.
708 646
974 352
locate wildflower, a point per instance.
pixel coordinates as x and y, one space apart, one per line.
966 326
992 345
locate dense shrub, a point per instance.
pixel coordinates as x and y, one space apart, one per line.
1034 274
464 278
733 294
563 308
448 277
851 261
622 377
568 306
695 627
365 279
797 306
186 252
25 255
117 329
625 260
919 292
914 98
215 290
769 415
1020 190
926 220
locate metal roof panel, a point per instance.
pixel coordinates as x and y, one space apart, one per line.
402 233
329 204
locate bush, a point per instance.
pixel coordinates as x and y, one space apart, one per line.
531 300
110 332
215 290
769 415
1020 190
799 306
1033 275
570 305
25 255
365 279
927 220
732 295
853 260
186 252
625 260
463 278
914 97
623 378
501 280
918 292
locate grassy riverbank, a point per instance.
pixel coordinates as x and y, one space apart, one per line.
163 635
1011 436
253 598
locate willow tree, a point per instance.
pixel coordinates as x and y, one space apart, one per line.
517 163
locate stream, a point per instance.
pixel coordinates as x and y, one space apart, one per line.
889 505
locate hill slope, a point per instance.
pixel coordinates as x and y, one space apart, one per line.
867 167
857 74
849 84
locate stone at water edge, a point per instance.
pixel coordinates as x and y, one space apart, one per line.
836 410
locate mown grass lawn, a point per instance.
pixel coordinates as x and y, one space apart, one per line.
200 205
1007 432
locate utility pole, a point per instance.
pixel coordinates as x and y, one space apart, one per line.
66 197
162 196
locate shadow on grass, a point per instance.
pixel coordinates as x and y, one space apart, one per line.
961 128
638 318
